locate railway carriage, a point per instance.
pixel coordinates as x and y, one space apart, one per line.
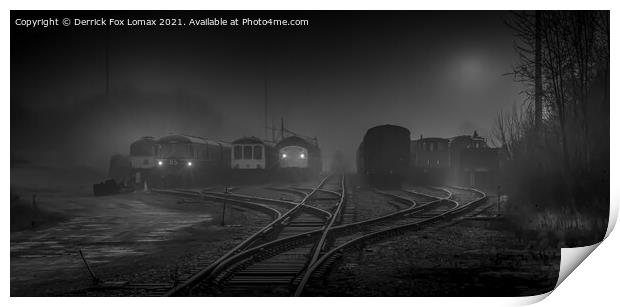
184 160
252 160
299 157
383 156
142 159
252 153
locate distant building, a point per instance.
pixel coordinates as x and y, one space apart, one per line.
430 159
473 162
462 160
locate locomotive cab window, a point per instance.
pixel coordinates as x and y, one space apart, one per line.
247 152
237 152
258 152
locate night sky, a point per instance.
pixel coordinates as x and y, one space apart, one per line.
436 73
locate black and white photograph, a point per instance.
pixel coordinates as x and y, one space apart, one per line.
292 153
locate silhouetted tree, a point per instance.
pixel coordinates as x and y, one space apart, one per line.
559 135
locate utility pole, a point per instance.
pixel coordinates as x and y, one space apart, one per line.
107 67
223 222
281 128
499 198
266 84
273 130
265 102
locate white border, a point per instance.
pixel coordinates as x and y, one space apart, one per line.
595 280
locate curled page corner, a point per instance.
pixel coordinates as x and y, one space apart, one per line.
529 300
613 217
571 258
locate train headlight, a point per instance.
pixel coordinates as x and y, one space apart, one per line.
189 163
283 155
302 156
160 163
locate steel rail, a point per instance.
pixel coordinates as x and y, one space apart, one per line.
337 194
318 248
372 235
227 266
423 194
266 200
413 209
198 277
259 206
289 190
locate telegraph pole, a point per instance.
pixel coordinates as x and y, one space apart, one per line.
265 102
499 198
107 66
223 222
281 128
265 83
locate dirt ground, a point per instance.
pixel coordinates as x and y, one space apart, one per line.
369 204
470 257
151 238
136 237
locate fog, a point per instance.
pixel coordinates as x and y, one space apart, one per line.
435 73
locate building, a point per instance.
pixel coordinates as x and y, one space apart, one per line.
473 162
430 159
465 160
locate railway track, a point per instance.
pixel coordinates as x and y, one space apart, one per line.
274 268
282 262
280 205
272 207
291 220
457 201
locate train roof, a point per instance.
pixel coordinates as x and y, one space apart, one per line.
188 139
144 139
386 129
252 140
297 140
